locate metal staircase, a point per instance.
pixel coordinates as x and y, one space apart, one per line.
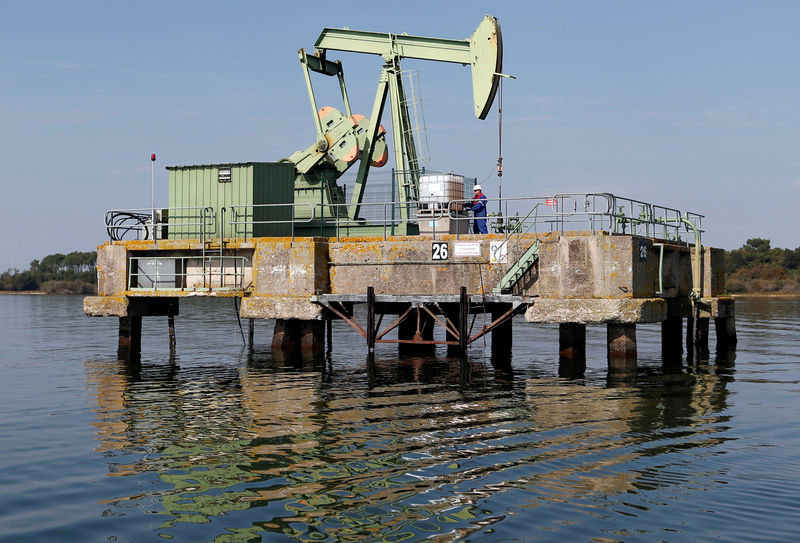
518 270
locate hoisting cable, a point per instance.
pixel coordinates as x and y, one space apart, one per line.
238 319
500 149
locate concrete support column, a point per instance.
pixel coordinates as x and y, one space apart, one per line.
621 345
725 328
312 335
130 338
287 335
671 339
697 338
572 341
702 338
571 350
502 336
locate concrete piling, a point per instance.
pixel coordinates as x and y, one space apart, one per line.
502 336
295 334
312 336
725 327
130 338
572 341
286 336
621 345
697 338
672 339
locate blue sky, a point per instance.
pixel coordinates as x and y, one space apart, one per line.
694 105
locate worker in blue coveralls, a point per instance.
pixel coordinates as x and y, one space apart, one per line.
478 205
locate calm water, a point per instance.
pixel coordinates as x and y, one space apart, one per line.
223 445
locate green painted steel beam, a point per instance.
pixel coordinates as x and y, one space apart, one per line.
390 46
483 52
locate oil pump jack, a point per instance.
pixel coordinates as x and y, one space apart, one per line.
344 138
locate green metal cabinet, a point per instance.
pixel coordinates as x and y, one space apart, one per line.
252 199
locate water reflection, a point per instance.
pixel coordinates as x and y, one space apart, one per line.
395 449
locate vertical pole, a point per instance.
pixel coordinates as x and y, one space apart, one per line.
329 332
250 332
153 192
171 325
463 317
370 319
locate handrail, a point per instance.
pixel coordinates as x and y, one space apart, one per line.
595 211
236 213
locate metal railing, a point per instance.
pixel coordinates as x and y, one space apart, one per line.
243 218
591 211
196 273
595 212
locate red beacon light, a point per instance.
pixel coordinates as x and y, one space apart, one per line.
153 157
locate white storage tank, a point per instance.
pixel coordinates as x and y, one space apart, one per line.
437 190
435 215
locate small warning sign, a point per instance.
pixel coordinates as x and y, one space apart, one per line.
498 252
467 248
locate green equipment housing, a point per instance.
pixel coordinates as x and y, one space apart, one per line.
251 199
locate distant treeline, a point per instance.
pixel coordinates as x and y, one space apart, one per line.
754 268
758 268
73 273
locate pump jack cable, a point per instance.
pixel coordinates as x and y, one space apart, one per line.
500 147
238 319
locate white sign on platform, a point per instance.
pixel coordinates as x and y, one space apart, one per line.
498 252
466 248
